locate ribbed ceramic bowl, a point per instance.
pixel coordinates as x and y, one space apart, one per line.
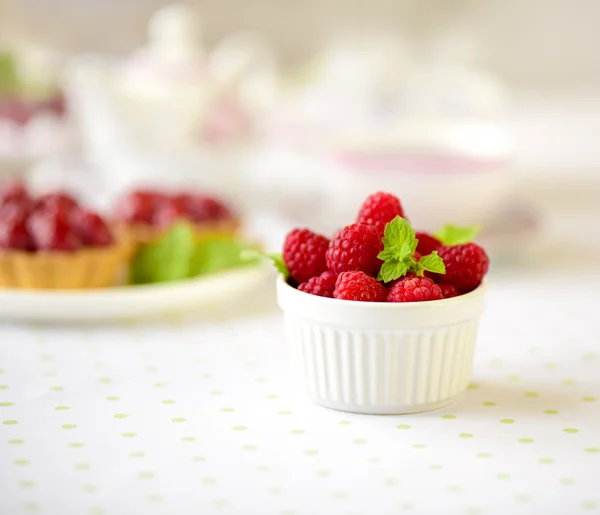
380 358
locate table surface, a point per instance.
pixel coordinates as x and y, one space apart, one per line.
198 416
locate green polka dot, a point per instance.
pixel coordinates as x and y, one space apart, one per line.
151 370
274 490
488 403
374 460
571 430
113 398
51 373
473 386
89 489
298 431
105 380
206 376
323 473
550 366
507 421
503 475
531 394
546 461
209 480
82 466
199 459
435 466
155 498
57 388
188 439
10 422
449 417
69 426
526 440
25 483
484 455
522 498
513 378
21 462
216 392
402 426
16 441
419 446
551 412
33 507
239 428
227 410
390 481
345 422
567 481
250 447
589 399
129 435
407 505
454 489
589 356
138 454
178 419
146 475
311 452
261 379
466 435
272 396
589 505
3 387
62 408
46 358
160 385
76 445
261 468
284 412
592 450
5 404
569 382
120 415
359 441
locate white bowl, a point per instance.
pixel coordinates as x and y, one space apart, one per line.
380 358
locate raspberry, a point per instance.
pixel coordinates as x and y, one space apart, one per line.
15 193
321 285
201 208
13 228
359 286
448 291
427 243
413 288
139 206
304 254
59 202
52 231
379 209
91 228
355 248
167 213
466 265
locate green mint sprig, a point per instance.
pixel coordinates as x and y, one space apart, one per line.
455 235
400 243
275 257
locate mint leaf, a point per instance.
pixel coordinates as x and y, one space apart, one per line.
433 263
168 259
9 77
218 254
392 270
455 235
399 246
275 258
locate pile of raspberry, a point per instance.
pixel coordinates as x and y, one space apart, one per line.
163 210
52 222
347 266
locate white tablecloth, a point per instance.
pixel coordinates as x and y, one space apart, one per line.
199 417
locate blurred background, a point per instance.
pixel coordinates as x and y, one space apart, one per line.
482 111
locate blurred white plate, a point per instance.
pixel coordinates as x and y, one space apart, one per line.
126 302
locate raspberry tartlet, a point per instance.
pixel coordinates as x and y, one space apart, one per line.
52 242
383 319
146 215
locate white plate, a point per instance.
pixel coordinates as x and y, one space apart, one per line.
126 302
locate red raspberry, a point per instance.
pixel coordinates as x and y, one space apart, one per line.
448 291
59 202
321 285
466 265
413 288
91 228
13 228
52 231
15 193
304 254
167 213
139 206
359 286
379 209
355 248
201 208
427 243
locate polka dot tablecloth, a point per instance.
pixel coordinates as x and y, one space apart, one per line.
198 416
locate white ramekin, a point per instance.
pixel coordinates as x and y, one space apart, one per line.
379 358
